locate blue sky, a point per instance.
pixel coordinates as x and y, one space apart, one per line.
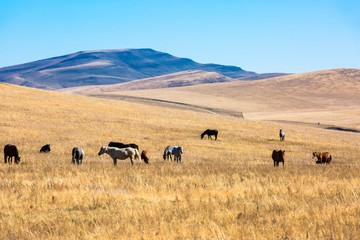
263 36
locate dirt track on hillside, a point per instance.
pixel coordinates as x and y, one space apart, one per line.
171 104
193 107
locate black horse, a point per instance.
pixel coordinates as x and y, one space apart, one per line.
45 148
122 145
11 151
210 133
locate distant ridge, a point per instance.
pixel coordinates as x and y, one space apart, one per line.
178 79
102 67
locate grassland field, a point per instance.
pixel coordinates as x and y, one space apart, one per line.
224 189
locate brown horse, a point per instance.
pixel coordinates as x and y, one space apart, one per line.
323 157
278 156
145 156
11 151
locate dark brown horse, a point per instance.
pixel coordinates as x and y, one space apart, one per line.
45 148
145 156
122 145
278 156
11 151
323 157
210 133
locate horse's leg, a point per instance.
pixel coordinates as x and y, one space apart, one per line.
283 163
274 163
131 159
215 137
5 158
115 161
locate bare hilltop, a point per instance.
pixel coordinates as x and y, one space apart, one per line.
103 67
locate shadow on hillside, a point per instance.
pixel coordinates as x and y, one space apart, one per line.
343 129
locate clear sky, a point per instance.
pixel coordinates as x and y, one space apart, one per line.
290 36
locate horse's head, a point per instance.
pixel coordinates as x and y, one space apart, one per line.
314 154
202 135
17 160
102 150
180 150
282 154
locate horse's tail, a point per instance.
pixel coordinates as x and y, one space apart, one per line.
73 156
164 156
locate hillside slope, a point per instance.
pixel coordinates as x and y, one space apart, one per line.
330 96
224 189
106 67
184 78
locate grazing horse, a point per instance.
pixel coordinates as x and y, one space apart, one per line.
77 155
177 151
120 153
11 151
209 133
282 135
45 148
122 145
145 156
323 157
278 156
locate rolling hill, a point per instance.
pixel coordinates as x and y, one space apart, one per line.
329 97
224 189
106 67
178 79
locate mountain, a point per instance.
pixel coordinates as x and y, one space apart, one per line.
178 79
106 67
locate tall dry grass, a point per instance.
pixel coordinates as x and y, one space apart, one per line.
226 189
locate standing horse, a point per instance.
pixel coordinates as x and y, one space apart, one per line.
282 135
11 151
323 157
122 145
177 151
120 153
78 155
209 133
278 156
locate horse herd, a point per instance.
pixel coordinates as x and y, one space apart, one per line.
279 155
117 150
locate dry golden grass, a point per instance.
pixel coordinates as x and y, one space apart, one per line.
226 189
330 97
